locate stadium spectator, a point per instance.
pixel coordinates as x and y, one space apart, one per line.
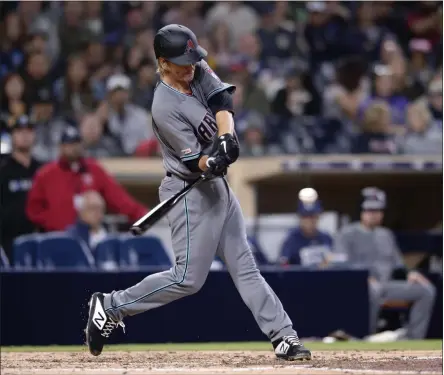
73 32
376 136
433 101
384 90
239 18
393 58
16 173
368 244
306 245
73 91
128 124
423 137
13 103
11 43
144 84
97 144
420 72
89 228
38 80
51 200
187 13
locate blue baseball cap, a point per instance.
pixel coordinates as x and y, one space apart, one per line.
70 135
309 208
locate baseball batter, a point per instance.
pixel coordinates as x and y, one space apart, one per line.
193 121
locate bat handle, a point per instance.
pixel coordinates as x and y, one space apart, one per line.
136 231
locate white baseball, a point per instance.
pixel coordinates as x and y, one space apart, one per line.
308 195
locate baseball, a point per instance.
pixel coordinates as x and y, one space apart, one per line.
308 195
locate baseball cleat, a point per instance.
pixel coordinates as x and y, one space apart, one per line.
100 325
291 349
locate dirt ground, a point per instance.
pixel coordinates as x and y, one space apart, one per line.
212 362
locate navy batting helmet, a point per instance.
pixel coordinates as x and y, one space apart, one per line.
178 44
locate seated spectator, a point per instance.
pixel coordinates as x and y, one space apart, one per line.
73 91
96 144
383 90
11 50
38 78
51 199
393 58
433 101
128 124
99 68
144 84
89 228
376 137
422 138
368 244
187 13
306 245
420 71
16 174
240 18
13 103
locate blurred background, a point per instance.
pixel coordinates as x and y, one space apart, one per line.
332 96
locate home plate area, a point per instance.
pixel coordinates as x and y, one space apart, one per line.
215 362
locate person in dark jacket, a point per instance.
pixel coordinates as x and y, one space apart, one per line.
16 173
58 185
307 245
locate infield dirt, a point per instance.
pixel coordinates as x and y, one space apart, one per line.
220 362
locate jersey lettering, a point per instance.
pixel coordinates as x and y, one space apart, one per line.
207 128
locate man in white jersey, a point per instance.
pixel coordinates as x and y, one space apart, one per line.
193 120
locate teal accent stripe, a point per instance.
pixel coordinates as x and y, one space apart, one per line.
190 157
184 272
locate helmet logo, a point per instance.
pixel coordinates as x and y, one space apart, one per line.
190 46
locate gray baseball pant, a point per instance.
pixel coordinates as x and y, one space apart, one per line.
206 223
423 298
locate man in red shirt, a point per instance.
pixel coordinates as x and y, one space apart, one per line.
58 184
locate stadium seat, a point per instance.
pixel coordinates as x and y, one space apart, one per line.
142 251
106 253
4 261
25 251
58 250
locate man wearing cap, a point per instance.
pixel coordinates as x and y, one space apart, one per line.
59 184
124 122
369 245
16 173
307 245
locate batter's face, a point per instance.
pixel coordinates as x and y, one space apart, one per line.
179 73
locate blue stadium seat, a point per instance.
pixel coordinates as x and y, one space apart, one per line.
58 250
25 251
106 253
4 261
142 251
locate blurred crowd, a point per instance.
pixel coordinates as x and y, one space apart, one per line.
311 77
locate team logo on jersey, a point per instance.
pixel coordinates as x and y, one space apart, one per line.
190 46
210 71
186 151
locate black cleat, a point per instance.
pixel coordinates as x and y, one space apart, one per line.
100 325
291 349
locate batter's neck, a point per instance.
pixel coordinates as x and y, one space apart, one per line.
181 86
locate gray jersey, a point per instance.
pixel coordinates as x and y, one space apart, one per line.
183 123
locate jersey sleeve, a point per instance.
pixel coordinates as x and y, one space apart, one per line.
210 82
177 135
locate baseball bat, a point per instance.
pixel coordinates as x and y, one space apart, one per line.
153 216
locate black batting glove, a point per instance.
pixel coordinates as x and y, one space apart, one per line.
217 165
226 145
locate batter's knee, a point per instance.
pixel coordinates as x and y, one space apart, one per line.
191 286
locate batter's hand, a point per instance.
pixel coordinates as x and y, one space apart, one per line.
217 165
227 146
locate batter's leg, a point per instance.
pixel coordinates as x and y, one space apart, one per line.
195 233
266 307
194 239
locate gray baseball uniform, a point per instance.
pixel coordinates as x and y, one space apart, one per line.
377 250
207 223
